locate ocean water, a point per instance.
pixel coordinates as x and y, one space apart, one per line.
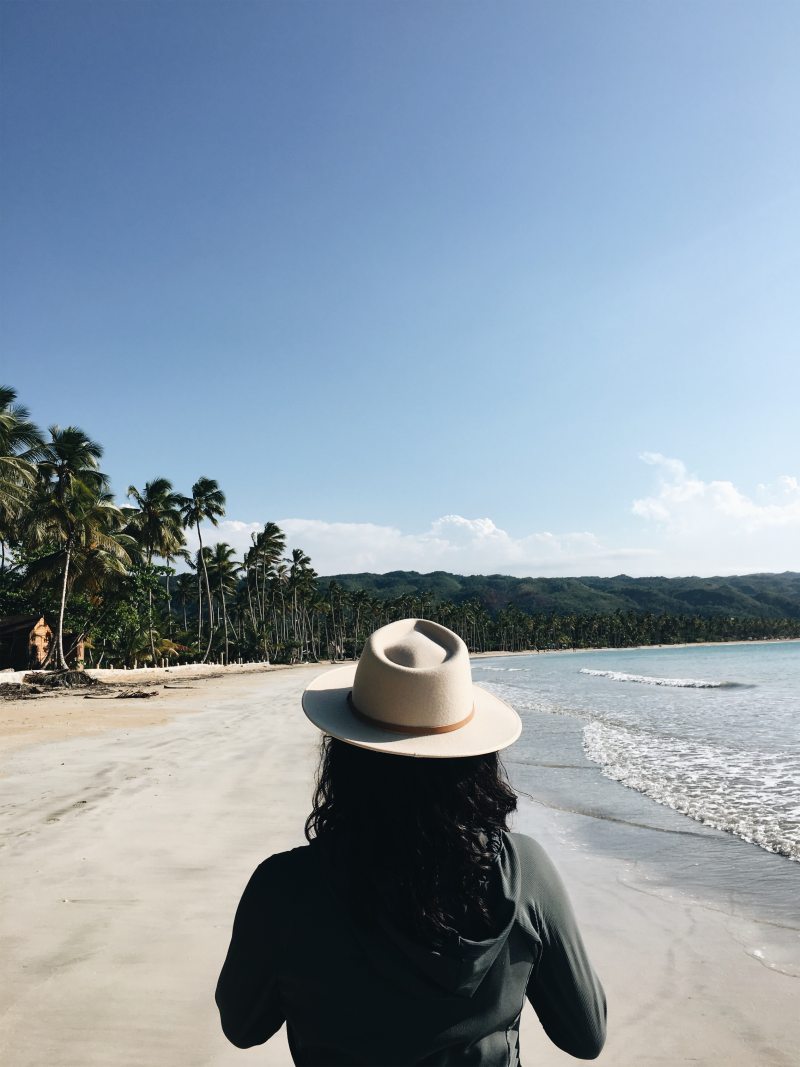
686 760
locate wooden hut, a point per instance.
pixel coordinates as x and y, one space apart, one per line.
26 641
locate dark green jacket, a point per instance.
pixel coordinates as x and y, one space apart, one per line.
361 993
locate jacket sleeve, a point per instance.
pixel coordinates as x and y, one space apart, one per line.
564 990
248 994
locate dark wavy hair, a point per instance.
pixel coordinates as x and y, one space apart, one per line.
415 838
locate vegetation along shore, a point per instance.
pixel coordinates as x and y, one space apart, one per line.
90 580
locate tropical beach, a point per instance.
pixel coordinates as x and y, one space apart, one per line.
454 344
124 852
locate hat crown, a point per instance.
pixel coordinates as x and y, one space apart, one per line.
414 673
416 650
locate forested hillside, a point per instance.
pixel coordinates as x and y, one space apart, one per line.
764 596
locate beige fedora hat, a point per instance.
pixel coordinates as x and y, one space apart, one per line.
411 694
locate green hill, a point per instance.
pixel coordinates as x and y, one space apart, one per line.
772 596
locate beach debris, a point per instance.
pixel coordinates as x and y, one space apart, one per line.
21 691
166 686
11 690
110 693
61 679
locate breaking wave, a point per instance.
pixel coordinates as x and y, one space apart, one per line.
507 670
751 794
675 683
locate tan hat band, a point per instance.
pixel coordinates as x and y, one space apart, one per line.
398 728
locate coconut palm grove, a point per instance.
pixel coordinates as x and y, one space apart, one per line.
118 585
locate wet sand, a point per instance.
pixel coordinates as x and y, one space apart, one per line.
123 853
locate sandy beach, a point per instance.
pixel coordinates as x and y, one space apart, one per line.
129 828
124 698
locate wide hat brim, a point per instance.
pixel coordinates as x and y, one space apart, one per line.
494 725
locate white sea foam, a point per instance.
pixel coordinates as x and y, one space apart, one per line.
506 670
644 679
746 792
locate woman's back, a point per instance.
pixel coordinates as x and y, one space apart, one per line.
356 989
413 925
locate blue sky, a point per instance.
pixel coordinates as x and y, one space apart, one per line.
422 281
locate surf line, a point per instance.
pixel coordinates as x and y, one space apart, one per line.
676 683
626 822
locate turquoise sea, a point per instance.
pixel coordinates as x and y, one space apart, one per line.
686 760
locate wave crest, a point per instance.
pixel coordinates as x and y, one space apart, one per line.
644 679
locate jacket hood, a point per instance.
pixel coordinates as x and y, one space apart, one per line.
457 969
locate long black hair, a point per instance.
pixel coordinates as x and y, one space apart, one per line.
414 837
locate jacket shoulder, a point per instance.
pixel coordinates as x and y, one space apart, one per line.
534 860
527 847
541 887
292 859
282 871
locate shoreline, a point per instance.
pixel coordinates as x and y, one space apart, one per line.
637 648
123 863
186 671
200 671
28 718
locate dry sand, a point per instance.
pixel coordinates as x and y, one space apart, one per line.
123 854
143 697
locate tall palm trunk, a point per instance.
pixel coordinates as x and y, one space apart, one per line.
250 601
199 610
62 659
169 603
224 618
150 611
208 596
262 600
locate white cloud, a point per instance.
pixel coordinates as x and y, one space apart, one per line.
689 526
452 542
713 527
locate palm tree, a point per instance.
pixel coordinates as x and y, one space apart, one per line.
184 584
360 600
186 557
197 562
84 530
206 502
72 506
20 447
334 600
157 524
267 549
158 519
224 570
69 457
299 575
279 577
